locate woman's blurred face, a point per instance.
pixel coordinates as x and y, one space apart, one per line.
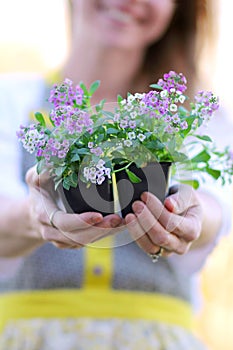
122 23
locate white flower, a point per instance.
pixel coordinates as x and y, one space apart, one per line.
92 177
123 102
172 90
164 93
139 95
68 82
108 172
86 172
124 124
176 118
173 107
100 172
30 147
132 124
181 98
100 164
90 144
92 170
142 104
133 114
116 117
131 98
100 180
131 135
128 143
128 107
141 137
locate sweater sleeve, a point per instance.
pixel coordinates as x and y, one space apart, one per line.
18 96
221 131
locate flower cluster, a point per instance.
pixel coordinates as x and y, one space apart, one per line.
96 173
143 127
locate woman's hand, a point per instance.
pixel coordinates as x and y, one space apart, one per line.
65 230
173 226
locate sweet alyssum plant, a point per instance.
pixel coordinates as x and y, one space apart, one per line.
86 141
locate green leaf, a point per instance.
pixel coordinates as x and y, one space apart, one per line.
51 121
70 181
57 183
66 184
108 114
60 170
75 158
83 87
83 151
94 87
133 178
214 173
156 86
102 102
202 157
112 131
179 157
47 132
39 117
100 138
119 98
40 166
154 145
203 137
193 183
74 179
183 112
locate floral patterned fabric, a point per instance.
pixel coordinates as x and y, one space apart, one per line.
88 334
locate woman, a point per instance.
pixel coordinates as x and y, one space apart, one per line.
87 297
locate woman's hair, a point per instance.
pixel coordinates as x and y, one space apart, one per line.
179 48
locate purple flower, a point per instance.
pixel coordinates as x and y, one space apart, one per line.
184 125
173 82
97 151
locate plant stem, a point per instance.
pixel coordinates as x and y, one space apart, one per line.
125 167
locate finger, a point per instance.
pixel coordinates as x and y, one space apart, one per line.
42 180
186 226
53 235
139 235
133 226
156 232
180 199
80 231
94 233
70 222
65 246
142 239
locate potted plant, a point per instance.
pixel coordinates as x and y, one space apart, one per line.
136 143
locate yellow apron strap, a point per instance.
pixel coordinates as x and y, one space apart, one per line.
98 262
98 265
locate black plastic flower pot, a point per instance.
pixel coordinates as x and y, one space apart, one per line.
154 178
95 198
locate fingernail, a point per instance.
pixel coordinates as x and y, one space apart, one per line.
96 219
173 203
115 222
138 208
144 196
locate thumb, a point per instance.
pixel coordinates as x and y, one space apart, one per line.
179 200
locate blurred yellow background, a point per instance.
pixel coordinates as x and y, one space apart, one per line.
34 38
